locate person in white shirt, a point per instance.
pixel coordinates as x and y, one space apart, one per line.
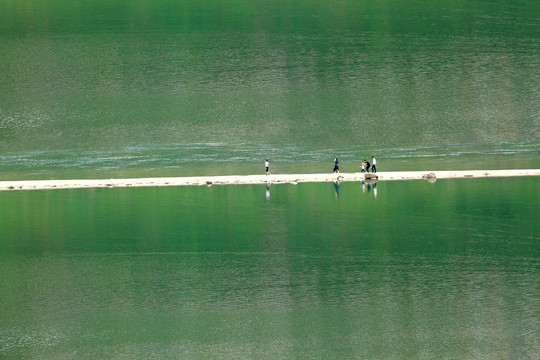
267 166
373 164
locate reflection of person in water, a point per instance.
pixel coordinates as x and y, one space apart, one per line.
336 187
267 192
367 185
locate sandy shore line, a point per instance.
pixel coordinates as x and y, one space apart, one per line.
258 179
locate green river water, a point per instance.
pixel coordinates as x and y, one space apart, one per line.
413 270
393 270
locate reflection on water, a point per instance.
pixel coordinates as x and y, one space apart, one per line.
444 270
367 185
111 88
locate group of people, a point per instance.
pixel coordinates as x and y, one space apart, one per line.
365 165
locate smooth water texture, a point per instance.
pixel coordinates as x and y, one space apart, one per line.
449 270
130 88
139 88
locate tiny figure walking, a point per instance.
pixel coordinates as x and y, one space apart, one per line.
363 167
336 165
374 165
267 166
367 165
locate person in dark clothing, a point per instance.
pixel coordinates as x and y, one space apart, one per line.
336 165
367 165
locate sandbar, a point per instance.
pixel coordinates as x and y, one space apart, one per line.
259 179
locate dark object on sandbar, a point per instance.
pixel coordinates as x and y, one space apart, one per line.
429 176
371 176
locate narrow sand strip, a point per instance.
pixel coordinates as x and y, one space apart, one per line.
259 179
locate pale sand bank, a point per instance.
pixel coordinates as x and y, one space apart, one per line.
258 179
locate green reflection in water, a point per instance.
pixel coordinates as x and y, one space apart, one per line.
410 269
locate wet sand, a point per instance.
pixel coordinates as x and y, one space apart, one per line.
258 179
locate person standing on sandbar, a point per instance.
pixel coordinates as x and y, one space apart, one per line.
336 165
267 166
373 165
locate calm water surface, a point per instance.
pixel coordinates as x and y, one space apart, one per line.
137 88
387 270
114 88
